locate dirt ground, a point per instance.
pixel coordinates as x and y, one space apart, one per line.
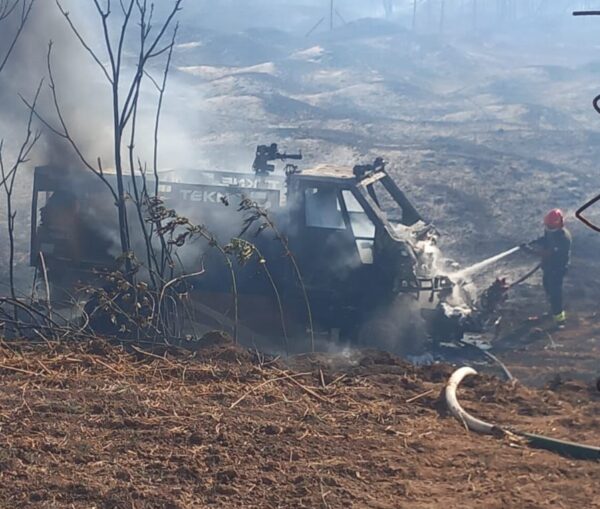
97 426
538 355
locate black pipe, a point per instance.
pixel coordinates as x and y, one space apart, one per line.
564 448
586 13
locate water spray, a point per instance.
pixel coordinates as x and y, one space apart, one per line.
468 272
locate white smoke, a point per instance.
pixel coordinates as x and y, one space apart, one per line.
85 100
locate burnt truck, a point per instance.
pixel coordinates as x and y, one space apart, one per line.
368 260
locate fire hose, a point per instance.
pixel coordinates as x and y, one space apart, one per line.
481 351
489 355
571 449
525 277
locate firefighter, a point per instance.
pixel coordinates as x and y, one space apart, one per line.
554 247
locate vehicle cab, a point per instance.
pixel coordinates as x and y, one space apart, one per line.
358 239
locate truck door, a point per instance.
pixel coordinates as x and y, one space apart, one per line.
329 253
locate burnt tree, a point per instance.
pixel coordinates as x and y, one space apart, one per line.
14 14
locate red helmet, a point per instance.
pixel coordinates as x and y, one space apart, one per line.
554 220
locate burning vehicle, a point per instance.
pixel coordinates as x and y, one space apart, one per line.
368 261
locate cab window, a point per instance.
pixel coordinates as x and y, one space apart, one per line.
363 228
322 209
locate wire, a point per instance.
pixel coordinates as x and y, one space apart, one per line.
595 102
584 207
593 201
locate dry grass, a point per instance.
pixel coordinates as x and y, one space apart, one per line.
93 425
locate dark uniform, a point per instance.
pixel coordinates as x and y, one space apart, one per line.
555 249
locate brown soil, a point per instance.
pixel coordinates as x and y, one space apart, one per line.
98 426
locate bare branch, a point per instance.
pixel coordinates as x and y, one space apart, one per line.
87 47
138 197
145 56
8 183
122 36
27 7
161 90
125 110
160 52
6 8
63 131
25 149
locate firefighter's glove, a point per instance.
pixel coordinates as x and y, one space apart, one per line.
526 247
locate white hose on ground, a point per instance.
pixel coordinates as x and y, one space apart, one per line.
563 447
457 411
